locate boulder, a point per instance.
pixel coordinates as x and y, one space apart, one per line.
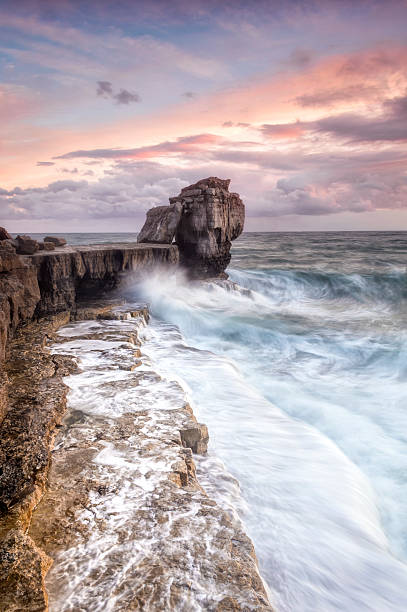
46 246
25 245
161 224
56 240
4 235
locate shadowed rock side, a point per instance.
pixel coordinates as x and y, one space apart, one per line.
50 282
204 219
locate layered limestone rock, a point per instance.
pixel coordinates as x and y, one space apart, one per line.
26 245
36 401
205 218
4 235
19 292
46 283
73 272
161 224
212 217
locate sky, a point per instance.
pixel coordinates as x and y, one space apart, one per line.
109 108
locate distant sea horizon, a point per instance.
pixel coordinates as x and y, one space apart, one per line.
77 238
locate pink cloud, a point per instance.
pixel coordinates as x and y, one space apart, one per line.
185 144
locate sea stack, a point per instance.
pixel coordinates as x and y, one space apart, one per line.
204 219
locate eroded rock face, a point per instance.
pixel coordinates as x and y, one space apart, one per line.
161 224
19 292
205 218
212 217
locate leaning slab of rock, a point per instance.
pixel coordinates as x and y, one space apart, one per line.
25 245
4 235
161 224
55 240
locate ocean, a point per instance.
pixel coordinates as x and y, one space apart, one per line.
298 365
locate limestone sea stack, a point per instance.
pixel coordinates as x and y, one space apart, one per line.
204 219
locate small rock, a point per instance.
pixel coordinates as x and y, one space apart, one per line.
4 235
196 438
56 240
26 245
48 246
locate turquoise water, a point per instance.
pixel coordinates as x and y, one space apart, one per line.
302 380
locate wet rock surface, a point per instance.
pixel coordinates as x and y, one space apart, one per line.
19 292
124 517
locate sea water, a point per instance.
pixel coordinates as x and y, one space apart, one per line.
298 365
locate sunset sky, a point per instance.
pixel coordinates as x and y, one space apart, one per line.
109 108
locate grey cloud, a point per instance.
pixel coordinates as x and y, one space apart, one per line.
390 126
300 58
227 124
362 129
397 106
126 97
189 94
47 163
105 90
327 97
128 192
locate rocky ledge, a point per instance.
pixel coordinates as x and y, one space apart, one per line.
45 283
119 513
195 555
